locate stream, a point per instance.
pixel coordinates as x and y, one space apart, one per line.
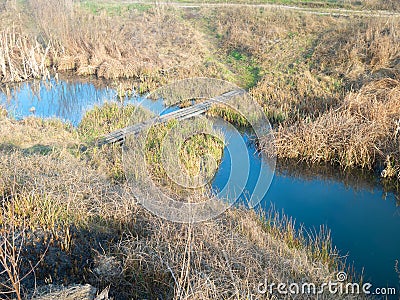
363 218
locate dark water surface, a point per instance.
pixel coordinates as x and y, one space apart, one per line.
363 219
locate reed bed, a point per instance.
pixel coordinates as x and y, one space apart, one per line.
134 45
283 56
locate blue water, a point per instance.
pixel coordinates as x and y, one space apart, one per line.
362 224
364 220
67 100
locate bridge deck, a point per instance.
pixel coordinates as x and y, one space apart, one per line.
119 135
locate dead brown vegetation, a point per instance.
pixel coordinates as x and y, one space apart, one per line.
381 4
358 128
277 46
21 58
150 46
331 83
360 51
362 132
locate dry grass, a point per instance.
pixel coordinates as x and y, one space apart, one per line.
331 83
381 5
300 65
363 132
21 58
150 46
35 133
362 50
272 49
313 72
286 56
338 59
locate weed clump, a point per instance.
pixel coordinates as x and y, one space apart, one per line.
198 155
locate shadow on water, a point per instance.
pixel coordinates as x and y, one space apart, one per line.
352 178
362 214
361 211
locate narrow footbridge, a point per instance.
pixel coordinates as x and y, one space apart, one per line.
119 135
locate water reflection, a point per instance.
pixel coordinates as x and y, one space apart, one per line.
65 99
362 216
356 179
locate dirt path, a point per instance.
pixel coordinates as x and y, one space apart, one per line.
318 11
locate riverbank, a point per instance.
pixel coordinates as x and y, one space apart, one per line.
76 224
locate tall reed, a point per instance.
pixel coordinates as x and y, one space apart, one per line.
22 57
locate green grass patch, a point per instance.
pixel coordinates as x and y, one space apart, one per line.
246 67
112 116
229 115
113 9
105 119
35 211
